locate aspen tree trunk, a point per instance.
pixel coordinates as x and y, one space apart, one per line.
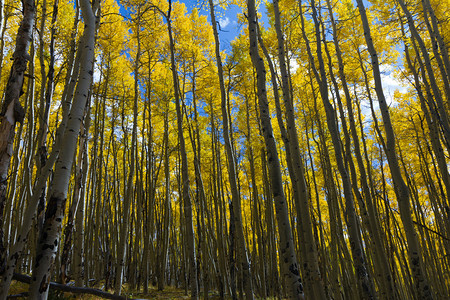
297 189
432 122
235 198
365 282
340 254
389 286
435 31
167 209
401 189
150 179
194 134
256 203
40 185
47 89
78 242
429 68
129 194
3 22
436 121
49 240
220 232
77 203
332 291
288 258
312 272
435 47
100 177
274 278
24 188
184 167
13 112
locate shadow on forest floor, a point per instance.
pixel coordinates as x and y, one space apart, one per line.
19 288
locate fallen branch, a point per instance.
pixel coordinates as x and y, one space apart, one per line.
21 295
73 289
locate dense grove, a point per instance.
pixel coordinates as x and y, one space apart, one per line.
306 159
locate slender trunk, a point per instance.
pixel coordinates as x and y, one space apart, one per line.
130 186
77 202
288 259
49 240
13 112
78 244
365 282
189 224
401 189
382 269
235 197
313 277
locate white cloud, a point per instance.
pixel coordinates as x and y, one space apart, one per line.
293 65
223 22
390 83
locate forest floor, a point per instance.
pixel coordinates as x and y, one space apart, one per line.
19 290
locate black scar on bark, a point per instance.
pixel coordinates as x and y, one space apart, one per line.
48 246
52 207
44 285
294 270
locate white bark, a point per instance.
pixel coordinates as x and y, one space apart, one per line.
12 110
50 237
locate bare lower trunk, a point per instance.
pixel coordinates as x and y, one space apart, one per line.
184 169
50 237
13 112
313 276
288 260
235 197
401 189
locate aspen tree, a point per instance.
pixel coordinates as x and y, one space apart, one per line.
130 186
184 165
312 271
365 282
432 122
167 208
46 95
401 189
77 204
435 38
41 181
12 111
434 31
444 119
237 220
80 197
49 240
388 288
288 260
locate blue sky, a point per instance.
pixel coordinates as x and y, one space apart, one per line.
228 21
227 18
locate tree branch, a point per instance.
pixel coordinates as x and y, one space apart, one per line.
73 289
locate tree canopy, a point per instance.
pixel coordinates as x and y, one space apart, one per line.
307 159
